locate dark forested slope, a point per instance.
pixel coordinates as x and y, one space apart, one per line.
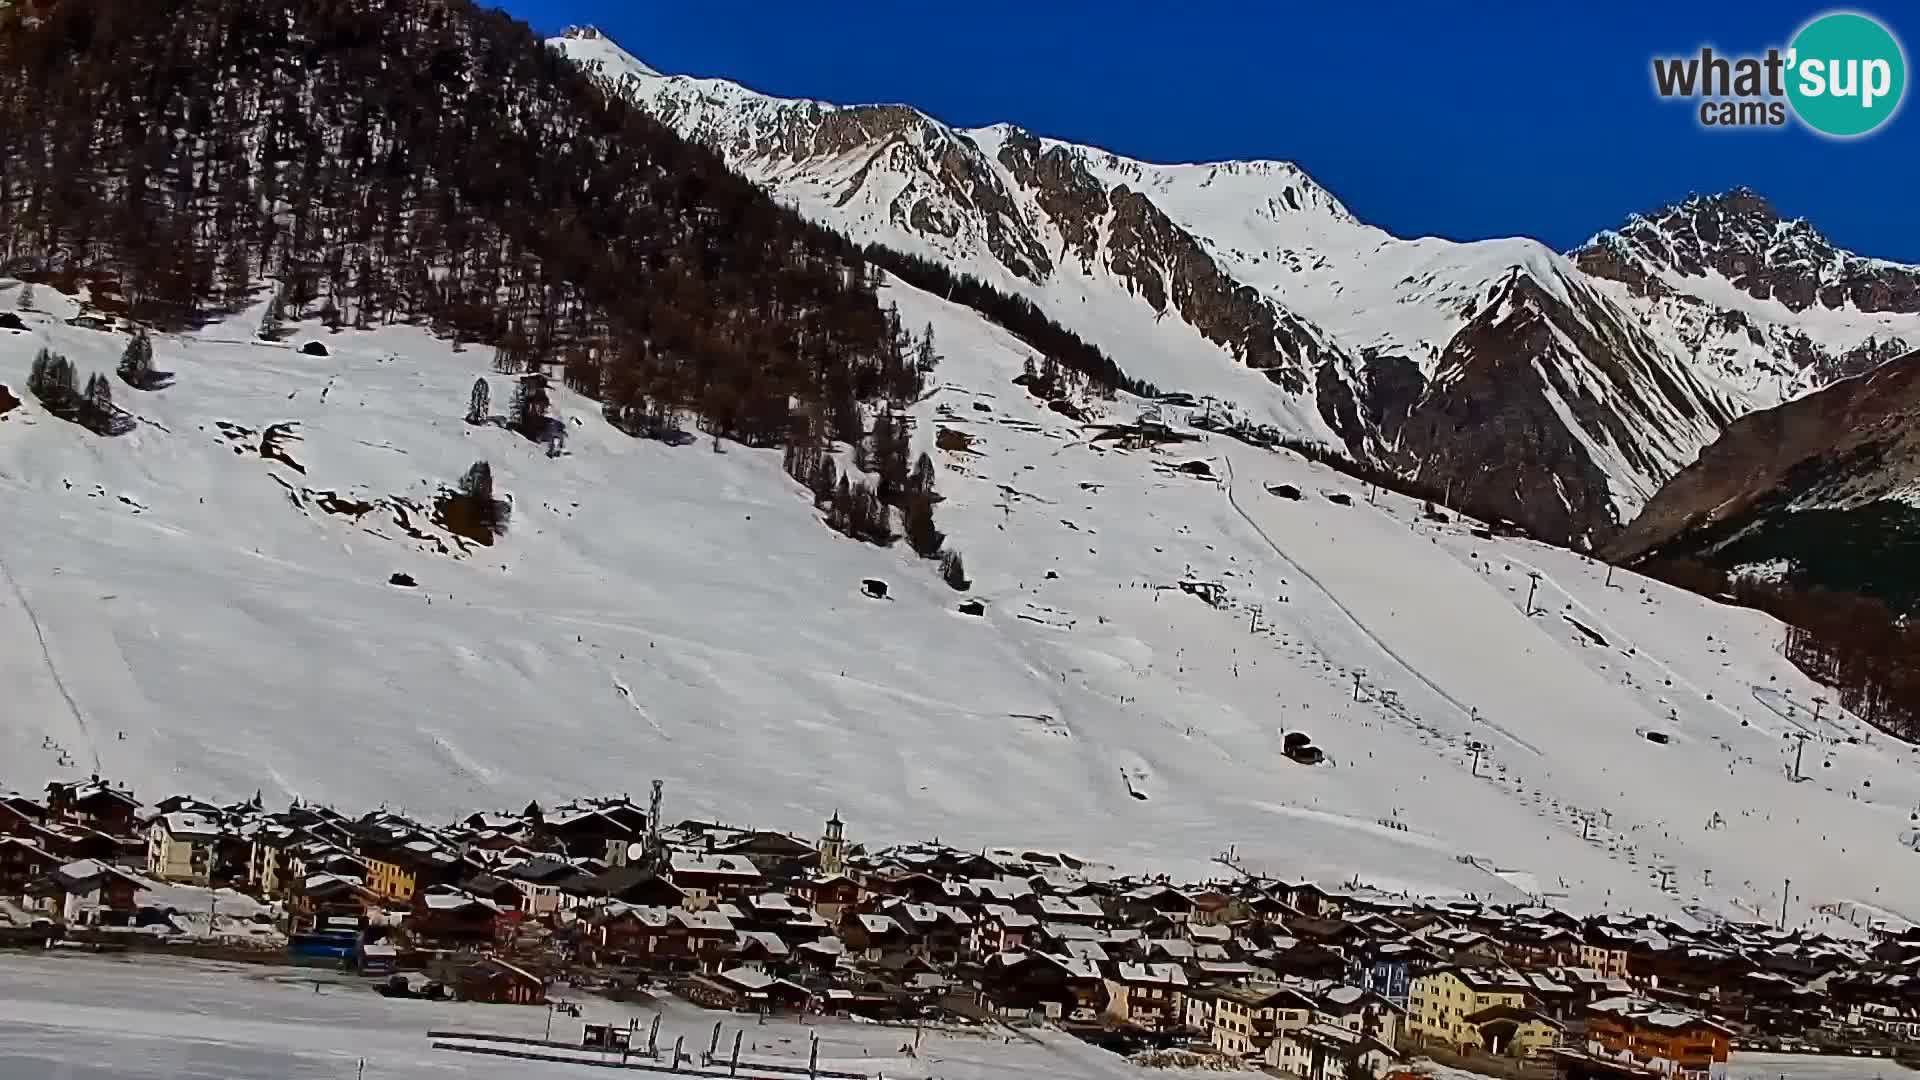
366 161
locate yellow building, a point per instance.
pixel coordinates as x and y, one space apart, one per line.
1441 1001
392 881
1520 1033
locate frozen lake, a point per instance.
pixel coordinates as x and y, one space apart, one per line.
94 1018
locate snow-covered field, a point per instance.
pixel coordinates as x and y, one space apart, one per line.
1802 1067
85 1018
181 613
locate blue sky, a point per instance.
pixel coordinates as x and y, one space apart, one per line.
1464 120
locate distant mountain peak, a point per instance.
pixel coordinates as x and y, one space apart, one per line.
595 51
1741 236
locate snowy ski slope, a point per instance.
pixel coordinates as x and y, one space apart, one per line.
183 614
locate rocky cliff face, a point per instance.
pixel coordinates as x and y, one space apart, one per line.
1823 490
1564 390
1770 303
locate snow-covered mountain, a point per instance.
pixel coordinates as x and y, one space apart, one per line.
1596 376
1765 303
206 604
1823 490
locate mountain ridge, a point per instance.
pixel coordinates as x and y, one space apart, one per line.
1198 275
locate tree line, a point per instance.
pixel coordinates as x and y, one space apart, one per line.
1856 644
368 162
1015 314
364 162
53 379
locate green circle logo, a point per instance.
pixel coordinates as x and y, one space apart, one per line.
1847 74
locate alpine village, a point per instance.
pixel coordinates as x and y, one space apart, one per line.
604 895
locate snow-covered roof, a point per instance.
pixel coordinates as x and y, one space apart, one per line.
699 862
747 978
1154 974
700 920
878 924
766 940
454 900
1087 950
187 825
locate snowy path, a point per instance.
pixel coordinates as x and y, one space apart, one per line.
53 670
1466 711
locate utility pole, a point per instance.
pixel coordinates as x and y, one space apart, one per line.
1478 749
1357 675
1799 748
1534 575
1818 704
1786 890
1609 575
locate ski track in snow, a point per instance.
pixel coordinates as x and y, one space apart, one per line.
1465 710
53 670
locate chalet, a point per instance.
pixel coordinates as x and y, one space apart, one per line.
23 862
1211 907
495 981
87 893
589 831
937 932
660 939
93 803
635 885
1147 995
1510 1031
999 928
829 895
917 887
1307 897
182 846
763 951
747 989
1157 901
322 897
775 854
1539 945
15 807
544 884
445 917
1672 1043
508 895
1464 946
1250 1023
1360 1011
1331 1052
1034 984
708 879
1071 909
871 937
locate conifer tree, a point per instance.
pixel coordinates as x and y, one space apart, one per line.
477 484
922 536
136 362
479 402
925 359
953 571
